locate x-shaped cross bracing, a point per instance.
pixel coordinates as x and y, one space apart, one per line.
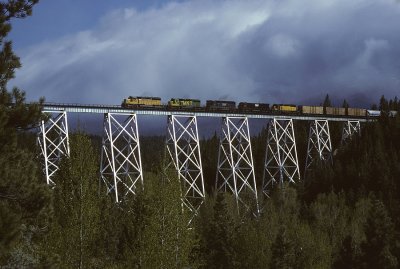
53 141
121 165
281 155
235 172
319 143
350 127
183 147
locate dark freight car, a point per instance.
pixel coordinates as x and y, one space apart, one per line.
253 107
220 105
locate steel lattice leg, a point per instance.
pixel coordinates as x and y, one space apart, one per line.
183 147
235 172
121 165
53 141
350 127
319 143
281 155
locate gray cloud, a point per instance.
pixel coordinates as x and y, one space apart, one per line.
271 51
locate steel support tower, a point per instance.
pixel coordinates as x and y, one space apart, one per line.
235 171
183 148
121 165
319 143
350 127
281 162
53 141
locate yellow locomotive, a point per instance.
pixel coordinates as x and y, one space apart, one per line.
141 101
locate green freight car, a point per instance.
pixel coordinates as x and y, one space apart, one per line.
179 102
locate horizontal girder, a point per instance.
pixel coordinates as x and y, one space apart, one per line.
101 109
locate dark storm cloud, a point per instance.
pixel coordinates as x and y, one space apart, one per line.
272 51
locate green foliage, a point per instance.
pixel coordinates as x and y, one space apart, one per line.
378 247
76 207
166 240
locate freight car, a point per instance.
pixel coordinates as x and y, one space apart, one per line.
179 102
358 112
284 108
253 107
216 105
373 113
319 110
335 111
139 101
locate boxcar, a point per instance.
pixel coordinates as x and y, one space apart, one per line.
220 105
179 102
253 107
284 107
336 111
311 109
140 101
373 113
359 112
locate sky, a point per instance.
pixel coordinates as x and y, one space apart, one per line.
271 51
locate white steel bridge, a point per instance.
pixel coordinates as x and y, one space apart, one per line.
121 166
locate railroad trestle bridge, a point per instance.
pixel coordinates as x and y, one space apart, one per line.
121 165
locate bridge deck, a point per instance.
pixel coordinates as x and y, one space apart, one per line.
200 112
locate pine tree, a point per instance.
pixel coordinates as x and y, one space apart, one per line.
24 198
75 231
221 237
345 104
347 257
379 231
283 251
383 104
327 102
166 241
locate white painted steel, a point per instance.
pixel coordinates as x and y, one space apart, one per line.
319 143
349 129
77 108
281 162
183 147
53 141
235 172
121 165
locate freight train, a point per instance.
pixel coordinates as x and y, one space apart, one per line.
245 107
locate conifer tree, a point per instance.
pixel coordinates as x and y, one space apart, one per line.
24 198
379 231
75 231
221 237
327 102
166 241
283 251
347 258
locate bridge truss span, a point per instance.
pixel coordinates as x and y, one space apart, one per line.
235 171
53 141
319 143
183 150
121 165
281 162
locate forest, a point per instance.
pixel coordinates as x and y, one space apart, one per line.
344 215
